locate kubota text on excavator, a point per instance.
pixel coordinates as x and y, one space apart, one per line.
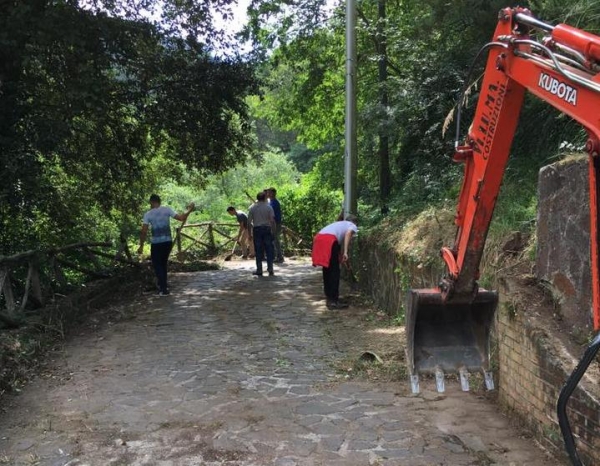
448 327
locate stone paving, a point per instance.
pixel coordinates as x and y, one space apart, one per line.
233 369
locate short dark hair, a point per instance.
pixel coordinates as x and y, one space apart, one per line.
261 196
273 190
352 218
230 209
155 198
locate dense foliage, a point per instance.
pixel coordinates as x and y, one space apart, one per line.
97 109
427 48
102 102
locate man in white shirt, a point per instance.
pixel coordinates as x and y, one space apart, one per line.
330 248
161 243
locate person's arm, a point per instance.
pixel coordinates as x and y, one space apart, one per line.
347 240
250 222
183 217
143 234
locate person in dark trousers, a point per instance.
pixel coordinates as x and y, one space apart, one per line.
274 203
330 248
243 236
161 243
262 219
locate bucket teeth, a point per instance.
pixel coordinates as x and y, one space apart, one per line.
439 380
448 334
464 379
414 384
489 379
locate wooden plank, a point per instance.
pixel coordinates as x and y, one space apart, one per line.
79 268
26 292
17 257
206 245
221 233
36 286
205 224
116 258
79 245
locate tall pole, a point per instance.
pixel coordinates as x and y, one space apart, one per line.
350 162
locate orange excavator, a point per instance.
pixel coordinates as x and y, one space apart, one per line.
448 327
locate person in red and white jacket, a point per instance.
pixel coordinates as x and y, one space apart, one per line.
330 249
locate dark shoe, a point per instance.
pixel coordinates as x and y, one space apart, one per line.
257 273
163 293
244 257
271 273
333 305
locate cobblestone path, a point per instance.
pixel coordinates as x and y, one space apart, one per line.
233 369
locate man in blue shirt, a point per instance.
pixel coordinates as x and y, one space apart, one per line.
161 243
274 203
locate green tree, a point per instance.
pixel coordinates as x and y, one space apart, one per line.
89 100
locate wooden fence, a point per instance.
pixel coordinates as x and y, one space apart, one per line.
54 262
84 258
216 238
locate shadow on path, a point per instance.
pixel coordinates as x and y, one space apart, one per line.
233 369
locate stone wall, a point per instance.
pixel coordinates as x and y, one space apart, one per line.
532 363
563 239
530 377
386 275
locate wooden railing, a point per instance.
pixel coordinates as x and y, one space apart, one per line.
212 236
217 237
54 261
30 287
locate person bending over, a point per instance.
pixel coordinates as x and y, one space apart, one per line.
330 248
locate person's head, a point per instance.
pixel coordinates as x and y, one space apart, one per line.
352 218
272 193
231 210
261 196
154 200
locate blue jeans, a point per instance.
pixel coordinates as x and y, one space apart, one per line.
277 243
263 241
159 253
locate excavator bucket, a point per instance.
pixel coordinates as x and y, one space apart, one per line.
448 337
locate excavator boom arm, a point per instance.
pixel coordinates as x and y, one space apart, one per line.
563 70
448 327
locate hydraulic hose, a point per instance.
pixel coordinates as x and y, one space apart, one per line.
467 84
565 394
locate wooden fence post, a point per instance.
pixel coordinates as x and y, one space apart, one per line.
211 239
6 289
58 274
178 239
34 276
123 248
